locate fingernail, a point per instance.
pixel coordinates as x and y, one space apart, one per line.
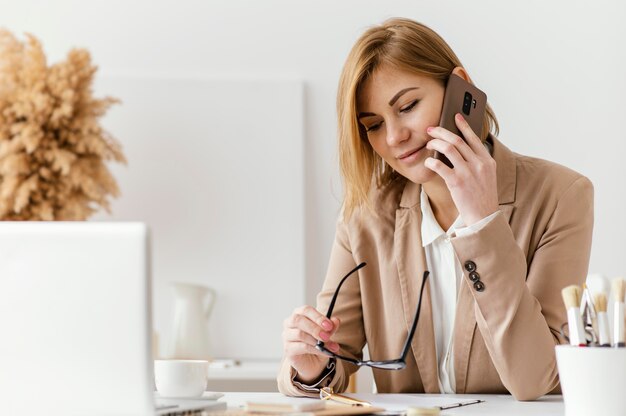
334 347
459 116
325 336
327 325
428 130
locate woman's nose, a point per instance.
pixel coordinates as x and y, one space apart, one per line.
396 134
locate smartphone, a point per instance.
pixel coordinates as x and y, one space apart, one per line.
462 97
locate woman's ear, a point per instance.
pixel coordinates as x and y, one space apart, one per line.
461 72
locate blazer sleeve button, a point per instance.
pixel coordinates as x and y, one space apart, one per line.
474 276
479 286
470 266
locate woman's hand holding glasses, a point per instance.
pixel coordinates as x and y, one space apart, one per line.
301 331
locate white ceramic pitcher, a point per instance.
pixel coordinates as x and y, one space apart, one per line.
192 308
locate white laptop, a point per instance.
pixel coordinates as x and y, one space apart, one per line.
75 321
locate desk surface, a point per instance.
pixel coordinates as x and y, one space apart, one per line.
493 405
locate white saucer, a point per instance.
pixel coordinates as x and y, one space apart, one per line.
208 395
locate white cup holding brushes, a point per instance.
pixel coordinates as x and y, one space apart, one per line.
593 380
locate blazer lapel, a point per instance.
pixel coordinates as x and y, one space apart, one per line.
411 261
465 318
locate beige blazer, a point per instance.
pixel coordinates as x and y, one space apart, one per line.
504 335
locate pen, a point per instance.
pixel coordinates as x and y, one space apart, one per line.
453 405
430 411
327 393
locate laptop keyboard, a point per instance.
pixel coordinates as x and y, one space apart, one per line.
170 410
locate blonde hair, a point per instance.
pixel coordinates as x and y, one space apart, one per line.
402 44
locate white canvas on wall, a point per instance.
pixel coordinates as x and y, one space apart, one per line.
215 168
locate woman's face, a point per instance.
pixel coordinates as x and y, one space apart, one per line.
395 108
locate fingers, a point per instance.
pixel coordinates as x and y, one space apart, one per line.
471 137
295 348
440 169
451 145
447 147
303 329
297 335
310 321
315 316
294 334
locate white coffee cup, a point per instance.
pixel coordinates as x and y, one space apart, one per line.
181 378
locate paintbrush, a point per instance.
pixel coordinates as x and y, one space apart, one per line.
604 336
617 290
571 299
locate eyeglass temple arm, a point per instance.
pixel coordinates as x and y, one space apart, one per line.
332 302
417 314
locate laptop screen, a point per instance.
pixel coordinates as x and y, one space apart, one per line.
75 317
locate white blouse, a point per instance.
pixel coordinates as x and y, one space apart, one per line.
445 278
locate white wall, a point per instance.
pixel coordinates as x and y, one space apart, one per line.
223 198
553 71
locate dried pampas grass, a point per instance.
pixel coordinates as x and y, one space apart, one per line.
52 148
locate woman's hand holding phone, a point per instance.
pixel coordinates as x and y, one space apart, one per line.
472 182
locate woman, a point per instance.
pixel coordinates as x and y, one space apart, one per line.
500 233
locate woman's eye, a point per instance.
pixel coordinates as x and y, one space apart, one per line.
372 128
409 107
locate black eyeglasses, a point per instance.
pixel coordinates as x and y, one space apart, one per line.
397 364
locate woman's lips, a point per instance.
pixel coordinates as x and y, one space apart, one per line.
410 156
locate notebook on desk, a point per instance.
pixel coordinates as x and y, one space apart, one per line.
75 321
